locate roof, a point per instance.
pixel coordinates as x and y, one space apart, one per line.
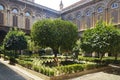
38 5
75 5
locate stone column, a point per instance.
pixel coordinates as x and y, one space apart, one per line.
83 22
93 19
119 16
21 20
106 15
8 17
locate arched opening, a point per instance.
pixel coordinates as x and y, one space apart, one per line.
2 36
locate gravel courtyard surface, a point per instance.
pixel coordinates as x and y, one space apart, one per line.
112 74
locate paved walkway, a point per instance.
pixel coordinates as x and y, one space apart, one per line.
9 72
112 74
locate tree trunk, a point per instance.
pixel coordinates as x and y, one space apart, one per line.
102 56
116 56
98 54
55 57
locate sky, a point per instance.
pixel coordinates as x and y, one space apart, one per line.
54 4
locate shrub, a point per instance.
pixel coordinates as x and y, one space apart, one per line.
36 68
90 66
28 65
12 61
70 68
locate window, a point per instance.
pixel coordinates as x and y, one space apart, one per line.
114 5
15 11
88 13
100 9
78 16
88 22
15 20
27 23
114 16
1 7
70 17
27 14
1 18
78 24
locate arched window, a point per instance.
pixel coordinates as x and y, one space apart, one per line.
1 14
70 17
100 9
27 14
1 7
15 11
78 15
1 18
114 12
88 13
114 5
27 23
15 20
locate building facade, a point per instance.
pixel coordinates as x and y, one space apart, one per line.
22 14
85 13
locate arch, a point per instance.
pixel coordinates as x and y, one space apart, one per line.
88 12
88 17
15 11
2 7
28 12
4 4
113 7
38 16
99 5
111 2
15 7
70 17
78 15
99 8
2 35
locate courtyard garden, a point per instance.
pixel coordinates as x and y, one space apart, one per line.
54 48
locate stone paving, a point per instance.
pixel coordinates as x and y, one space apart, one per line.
112 74
9 72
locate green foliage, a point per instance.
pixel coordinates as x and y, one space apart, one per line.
86 41
48 51
101 39
54 33
76 68
37 65
70 69
15 40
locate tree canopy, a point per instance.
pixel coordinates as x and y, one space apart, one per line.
102 39
15 40
54 33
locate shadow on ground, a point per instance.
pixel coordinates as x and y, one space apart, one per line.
113 70
8 74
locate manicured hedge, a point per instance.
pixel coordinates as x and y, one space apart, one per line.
76 68
37 65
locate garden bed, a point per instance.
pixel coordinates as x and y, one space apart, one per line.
66 76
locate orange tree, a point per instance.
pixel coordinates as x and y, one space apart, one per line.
104 38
